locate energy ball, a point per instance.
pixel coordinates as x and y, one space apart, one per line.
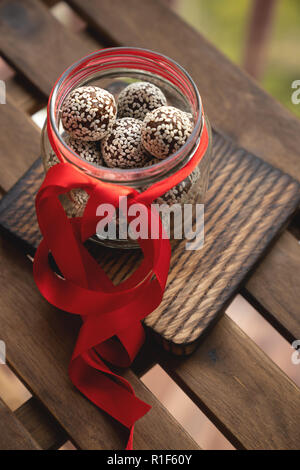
90 151
180 193
88 112
78 199
152 161
51 160
190 116
165 130
139 98
122 148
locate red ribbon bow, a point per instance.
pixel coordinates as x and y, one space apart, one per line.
111 330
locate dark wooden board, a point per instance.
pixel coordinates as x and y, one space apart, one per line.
12 434
248 202
22 196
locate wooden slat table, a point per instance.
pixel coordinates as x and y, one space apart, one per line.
13 435
249 398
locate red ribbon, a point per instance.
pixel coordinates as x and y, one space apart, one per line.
111 330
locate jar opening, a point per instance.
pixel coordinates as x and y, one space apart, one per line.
107 64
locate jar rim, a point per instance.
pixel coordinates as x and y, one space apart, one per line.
132 174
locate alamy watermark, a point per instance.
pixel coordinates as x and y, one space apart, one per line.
135 221
295 358
2 92
296 94
2 352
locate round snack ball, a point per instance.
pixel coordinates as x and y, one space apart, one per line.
88 112
165 130
51 160
152 161
90 151
78 199
190 116
139 98
122 148
180 193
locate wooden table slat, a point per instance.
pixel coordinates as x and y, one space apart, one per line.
41 425
275 284
241 390
23 95
36 44
13 436
50 3
20 144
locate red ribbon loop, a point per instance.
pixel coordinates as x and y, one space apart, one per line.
111 330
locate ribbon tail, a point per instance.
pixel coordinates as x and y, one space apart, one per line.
108 391
130 440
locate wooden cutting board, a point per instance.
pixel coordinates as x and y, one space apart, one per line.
247 204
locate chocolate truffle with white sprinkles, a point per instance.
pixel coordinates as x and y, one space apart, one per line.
180 192
122 148
88 113
90 151
165 130
139 98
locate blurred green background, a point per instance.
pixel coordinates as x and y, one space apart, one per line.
225 24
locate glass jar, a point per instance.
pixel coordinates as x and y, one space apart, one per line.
113 69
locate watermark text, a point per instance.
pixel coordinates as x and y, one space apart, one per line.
296 94
175 221
2 92
295 358
2 352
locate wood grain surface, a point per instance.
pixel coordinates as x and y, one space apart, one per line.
12 434
276 286
23 95
16 154
41 425
22 195
247 203
241 390
36 44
